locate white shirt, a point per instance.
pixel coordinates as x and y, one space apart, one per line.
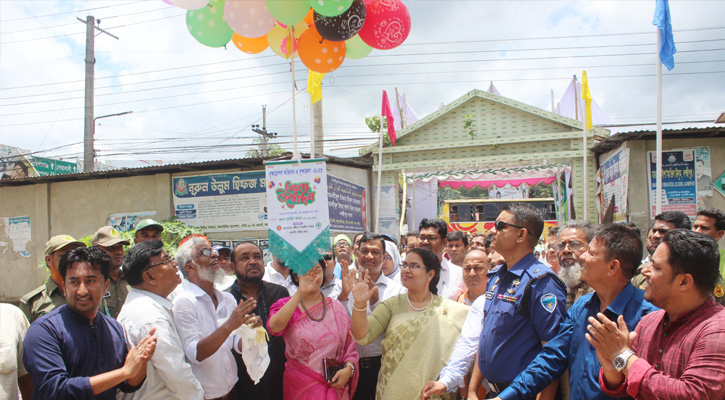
450 285
226 283
196 318
464 352
13 326
168 375
271 275
387 288
333 288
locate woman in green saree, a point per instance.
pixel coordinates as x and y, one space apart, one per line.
420 327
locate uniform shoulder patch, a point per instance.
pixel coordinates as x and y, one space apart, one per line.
719 290
29 296
548 301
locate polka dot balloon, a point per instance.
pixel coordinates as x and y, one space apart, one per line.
207 25
320 55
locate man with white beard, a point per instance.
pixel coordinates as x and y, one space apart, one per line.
205 318
572 242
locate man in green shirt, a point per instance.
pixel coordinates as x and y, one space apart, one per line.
48 296
110 241
711 222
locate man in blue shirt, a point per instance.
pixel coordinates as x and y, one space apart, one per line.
525 302
75 352
608 265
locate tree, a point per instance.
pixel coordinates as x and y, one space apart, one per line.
273 150
377 123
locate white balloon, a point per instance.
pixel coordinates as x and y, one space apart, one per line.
248 18
190 4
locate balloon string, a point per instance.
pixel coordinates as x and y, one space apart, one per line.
295 154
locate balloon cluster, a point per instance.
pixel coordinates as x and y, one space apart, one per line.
322 33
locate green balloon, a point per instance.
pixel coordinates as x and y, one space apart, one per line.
288 12
356 48
207 25
330 8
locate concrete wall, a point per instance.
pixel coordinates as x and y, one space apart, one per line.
638 196
79 207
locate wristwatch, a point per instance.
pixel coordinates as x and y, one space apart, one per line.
620 361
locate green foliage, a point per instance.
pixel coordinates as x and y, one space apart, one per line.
376 124
540 191
273 150
468 124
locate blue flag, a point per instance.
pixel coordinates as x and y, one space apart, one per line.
667 43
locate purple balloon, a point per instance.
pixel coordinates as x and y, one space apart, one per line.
343 26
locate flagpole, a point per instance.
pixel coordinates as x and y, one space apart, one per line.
380 176
658 182
584 160
295 153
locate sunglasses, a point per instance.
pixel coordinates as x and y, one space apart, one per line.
501 225
327 257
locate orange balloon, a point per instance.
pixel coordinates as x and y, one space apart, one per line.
320 55
310 18
250 45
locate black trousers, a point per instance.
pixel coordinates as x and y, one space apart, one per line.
367 383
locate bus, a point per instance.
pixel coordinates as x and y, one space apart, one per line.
478 215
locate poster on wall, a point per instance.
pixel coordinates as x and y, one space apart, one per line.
299 219
221 202
124 222
679 182
347 205
615 178
703 170
509 192
17 229
388 221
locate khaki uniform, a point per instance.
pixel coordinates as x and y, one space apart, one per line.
117 291
639 281
42 300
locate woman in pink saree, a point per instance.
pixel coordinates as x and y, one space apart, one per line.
314 328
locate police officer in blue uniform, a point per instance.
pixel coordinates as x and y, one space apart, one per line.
525 302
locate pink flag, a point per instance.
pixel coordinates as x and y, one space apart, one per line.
387 112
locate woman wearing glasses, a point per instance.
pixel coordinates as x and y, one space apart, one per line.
316 331
420 327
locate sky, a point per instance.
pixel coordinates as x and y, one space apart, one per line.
192 103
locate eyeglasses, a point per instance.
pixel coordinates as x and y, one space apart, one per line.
327 257
206 252
166 261
411 266
573 246
477 270
501 225
342 243
429 238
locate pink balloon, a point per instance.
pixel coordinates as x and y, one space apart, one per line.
248 18
387 24
167 2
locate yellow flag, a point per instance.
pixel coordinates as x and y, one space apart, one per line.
587 97
314 86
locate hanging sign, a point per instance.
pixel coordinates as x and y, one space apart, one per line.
299 220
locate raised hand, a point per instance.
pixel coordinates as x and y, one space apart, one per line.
310 282
347 283
241 314
361 292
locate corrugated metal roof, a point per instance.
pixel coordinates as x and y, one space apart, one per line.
614 141
241 163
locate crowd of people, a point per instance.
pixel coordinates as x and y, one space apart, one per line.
437 315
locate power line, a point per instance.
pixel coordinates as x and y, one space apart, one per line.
72 12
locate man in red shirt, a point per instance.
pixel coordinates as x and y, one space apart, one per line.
679 351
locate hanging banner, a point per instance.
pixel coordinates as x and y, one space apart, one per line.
124 222
221 202
679 181
299 220
509 192
347 205
615 176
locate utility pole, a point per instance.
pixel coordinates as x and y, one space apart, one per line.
89 153
263 133
317 144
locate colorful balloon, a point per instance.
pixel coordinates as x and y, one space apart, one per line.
344 26
190 4
288 12
387 24
330 8
248 18
250 45
318 54
356 48
279 42
207 25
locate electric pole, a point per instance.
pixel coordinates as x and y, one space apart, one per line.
89 153
317 145
265 136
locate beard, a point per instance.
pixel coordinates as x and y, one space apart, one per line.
571 273
246 278
212 275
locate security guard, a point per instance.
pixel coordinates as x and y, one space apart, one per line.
108 239
525 300
48 296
